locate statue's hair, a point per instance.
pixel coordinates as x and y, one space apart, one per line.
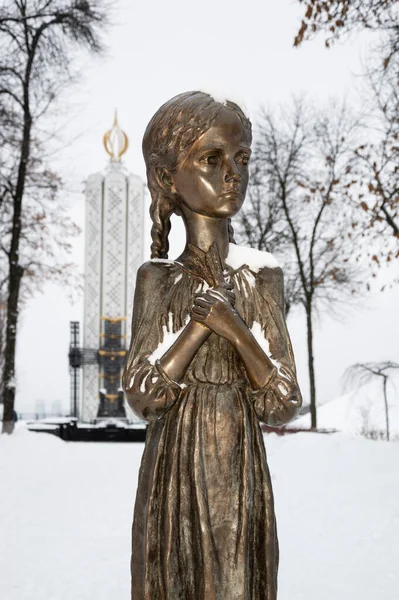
175 126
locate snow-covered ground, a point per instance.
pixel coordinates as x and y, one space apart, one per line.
66 510
359 411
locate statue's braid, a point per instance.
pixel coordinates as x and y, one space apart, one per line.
160 212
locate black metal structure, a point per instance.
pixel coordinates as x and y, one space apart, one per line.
77 358
72 431
111 424
74 366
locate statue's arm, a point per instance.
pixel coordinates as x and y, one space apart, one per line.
216 312
276 394
280 401
151 386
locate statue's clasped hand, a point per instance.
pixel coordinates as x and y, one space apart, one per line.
215 309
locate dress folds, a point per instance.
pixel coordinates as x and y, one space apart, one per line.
204 525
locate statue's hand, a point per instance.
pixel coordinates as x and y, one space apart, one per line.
215 310
227 290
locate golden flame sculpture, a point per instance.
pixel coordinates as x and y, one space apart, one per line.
116 141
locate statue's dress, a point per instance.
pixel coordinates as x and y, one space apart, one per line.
204 525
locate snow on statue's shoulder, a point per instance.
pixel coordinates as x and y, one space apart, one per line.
161 260
254 259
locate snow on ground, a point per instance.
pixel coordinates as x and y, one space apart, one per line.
66 511
360 410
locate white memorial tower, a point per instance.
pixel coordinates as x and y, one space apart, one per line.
113 252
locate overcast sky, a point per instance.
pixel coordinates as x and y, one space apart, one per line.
157 49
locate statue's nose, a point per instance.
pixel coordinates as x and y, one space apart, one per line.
232 172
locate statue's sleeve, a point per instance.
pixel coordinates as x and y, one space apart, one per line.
148 389
280 399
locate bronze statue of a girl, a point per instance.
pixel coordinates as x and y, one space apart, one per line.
210 359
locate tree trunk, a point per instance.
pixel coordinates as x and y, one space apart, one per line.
15 276
312 380
11 336
386 407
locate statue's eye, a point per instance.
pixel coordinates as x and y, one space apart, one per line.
211 159
243 158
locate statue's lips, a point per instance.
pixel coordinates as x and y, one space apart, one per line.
233 194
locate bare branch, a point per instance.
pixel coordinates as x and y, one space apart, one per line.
298 207
38 39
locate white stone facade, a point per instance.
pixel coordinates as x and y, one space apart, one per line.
113 252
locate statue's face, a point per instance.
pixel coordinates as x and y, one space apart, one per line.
212 177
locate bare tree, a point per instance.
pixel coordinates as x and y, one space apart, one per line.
46 229
339 17
38 41
379 159
379 153
262 225
362 373
303 165
3 307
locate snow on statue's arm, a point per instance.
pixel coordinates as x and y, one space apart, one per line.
279 401
148 389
